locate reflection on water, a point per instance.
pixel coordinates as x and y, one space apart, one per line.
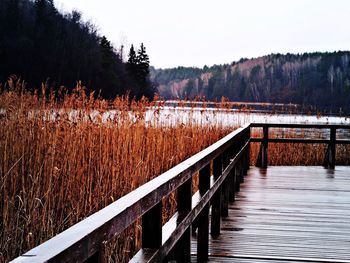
330 173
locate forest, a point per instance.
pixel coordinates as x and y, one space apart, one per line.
320 80
42 45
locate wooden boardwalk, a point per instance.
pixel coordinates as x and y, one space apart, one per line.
295 214
287 214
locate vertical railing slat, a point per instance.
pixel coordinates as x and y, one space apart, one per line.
95 258
247 153
329 159
152 227
238 176
262 158
231 180
216 201
225 190
182 250
203 218
332 148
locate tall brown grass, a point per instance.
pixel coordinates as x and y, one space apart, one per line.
60 161
56 170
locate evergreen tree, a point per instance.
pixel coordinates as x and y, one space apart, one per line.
131 65
143 63
143 72
138 72
131 68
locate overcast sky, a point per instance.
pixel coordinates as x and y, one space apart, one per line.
207 32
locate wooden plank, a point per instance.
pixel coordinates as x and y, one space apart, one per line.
295 214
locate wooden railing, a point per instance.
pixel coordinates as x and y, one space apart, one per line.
221 167
329 160
82 242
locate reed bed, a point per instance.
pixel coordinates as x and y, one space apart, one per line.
60 161
55 171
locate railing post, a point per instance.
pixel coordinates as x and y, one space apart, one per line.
216 200
225 187
182 250
232 179
95 258
241 165
232 176
262 158
247 153
203 218
152 227
329 160
238 173
332 146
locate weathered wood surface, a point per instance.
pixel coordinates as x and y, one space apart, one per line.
287 214
329 160
301 125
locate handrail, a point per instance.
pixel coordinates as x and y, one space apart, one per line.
196 210
300 125
83 240
329 160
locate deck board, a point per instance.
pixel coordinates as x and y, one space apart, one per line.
284 213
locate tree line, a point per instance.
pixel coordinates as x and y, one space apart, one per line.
321 80
42 45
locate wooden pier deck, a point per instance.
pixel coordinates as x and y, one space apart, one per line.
286 214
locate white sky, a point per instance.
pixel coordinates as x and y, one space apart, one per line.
207 32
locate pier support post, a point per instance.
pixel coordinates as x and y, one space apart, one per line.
182 250
95 258
203 217
247 155
262 158
152 227
216 201
225 189
329 159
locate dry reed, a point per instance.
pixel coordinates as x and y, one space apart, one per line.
57 169
60 161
